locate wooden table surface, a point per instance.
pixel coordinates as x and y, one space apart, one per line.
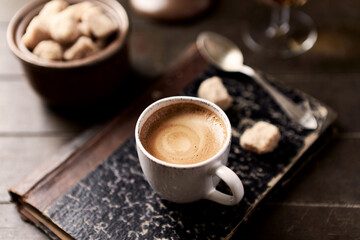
321 202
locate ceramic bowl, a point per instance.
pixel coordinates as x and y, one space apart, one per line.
75 82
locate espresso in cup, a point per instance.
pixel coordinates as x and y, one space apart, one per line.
183 133
183 145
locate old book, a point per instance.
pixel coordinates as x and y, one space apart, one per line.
97 190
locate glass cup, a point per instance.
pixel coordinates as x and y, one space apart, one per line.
288 33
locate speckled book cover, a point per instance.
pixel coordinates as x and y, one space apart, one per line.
114 201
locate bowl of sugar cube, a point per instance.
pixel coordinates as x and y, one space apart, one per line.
73 52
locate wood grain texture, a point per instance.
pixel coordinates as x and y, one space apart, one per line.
329 71
313 222
9 8
338 90
30 154
319 182
13 227
22 112
8 62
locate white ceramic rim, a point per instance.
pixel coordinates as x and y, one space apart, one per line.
176 99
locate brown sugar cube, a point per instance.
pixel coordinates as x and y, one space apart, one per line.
213 89
100 24
84 29
262 138
63 28
35 33
86 15
49 10
75 11
82 48
49 50
38 29
52 7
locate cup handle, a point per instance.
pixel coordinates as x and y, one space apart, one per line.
234 183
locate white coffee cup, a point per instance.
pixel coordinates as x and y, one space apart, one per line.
188 183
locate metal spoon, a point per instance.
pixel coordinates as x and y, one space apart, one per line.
225 55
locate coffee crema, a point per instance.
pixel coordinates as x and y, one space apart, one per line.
183 133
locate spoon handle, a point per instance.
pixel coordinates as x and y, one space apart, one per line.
294 111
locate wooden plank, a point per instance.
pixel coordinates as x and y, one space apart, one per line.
304 189
21 155
330 178
154 45
336 47
9 64
336 50
40 118
13 227
327 221
340 91
9 8
319 203
22 112
323 12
